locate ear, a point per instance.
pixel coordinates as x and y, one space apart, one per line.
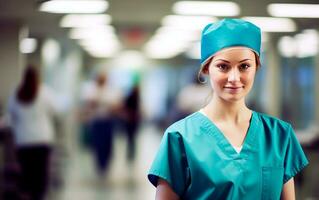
205 69
258 63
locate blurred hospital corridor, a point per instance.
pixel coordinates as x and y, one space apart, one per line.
123 181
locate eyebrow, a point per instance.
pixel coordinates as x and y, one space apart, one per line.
229 62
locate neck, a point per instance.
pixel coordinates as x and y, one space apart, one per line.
220 110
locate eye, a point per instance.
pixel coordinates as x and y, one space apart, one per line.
244 66
222 67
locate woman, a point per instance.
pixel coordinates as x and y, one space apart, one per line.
30 110
226 150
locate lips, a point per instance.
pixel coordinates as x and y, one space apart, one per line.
233 89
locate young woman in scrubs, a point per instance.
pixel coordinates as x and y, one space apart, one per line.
226 150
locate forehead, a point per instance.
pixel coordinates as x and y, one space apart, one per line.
235 53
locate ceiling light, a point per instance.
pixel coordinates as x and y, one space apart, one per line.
85 20
28 45
160 54
102 50
92 32
174 34
216 8
294 10
99 43
74 6
272 24
102 54
187 22
162 49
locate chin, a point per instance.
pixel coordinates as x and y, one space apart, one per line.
233 98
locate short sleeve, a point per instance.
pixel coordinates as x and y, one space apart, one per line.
170 163
295 159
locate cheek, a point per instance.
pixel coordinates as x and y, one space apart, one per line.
249 79
217 81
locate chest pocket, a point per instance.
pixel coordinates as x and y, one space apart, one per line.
272 182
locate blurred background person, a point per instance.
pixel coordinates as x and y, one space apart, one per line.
102 104
31 108
192 97
132 119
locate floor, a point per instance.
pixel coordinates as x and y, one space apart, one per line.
123 181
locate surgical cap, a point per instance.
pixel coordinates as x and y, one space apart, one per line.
229 33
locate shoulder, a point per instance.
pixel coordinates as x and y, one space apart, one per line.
187 126
272 122
274 129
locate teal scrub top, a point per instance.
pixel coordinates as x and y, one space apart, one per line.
198 162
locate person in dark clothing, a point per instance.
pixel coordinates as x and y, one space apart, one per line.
132 120
103 101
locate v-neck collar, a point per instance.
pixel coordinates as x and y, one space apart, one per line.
249 143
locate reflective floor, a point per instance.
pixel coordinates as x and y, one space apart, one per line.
124 180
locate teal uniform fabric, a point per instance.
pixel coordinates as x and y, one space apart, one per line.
199 163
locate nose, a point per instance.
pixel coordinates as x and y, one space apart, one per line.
234 75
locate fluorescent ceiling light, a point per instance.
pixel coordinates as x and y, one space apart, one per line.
213 8
99 43
28 45
162 49
187 22
74 6
173 34
92 32
189 28
177 30
102 51
160 54
102 54
166 45
85 20
272 24
294 10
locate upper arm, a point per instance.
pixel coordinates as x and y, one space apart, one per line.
170 163
288 190
164 191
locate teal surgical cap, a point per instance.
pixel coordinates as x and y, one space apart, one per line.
229 33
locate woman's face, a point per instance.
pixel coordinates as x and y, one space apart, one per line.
232 72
